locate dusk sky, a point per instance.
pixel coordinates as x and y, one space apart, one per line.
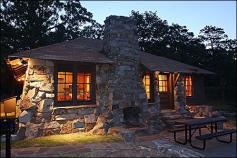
193 14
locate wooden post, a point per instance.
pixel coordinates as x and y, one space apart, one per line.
8 143
0 143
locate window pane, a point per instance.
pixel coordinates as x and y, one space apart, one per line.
68 77
87 88
163 83
61 77
80 78
64 86
61 87
83 86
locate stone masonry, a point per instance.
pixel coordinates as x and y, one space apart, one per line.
125 85
118 86
120 45
179 95
39 114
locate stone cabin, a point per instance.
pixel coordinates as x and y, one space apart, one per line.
75 85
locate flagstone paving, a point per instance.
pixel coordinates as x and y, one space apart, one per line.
143 147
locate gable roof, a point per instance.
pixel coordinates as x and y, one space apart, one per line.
81 49
89 50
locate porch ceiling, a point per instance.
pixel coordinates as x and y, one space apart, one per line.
17 68
157 63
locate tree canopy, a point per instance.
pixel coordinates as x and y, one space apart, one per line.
38 23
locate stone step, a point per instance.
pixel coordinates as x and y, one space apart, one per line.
165 113
168 110
172 117
139 131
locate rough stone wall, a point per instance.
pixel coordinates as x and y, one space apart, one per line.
40 116
36 101
179 95
104 94
154 122
126 86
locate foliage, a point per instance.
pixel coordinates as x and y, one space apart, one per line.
38 23
213 37
95 31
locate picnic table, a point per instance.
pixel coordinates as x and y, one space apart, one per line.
191 125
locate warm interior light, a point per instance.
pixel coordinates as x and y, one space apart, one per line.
146 82
188 85
21 79
163 83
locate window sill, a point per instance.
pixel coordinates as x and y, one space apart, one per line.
75 107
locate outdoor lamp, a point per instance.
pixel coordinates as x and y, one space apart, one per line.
9 107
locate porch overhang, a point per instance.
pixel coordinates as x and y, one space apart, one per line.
18 67
79 50
162 64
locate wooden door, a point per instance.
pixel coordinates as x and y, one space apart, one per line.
166 91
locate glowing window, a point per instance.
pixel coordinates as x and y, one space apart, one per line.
188 86
146 82
83 86
163 83
64 86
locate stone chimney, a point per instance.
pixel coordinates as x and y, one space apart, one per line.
121 45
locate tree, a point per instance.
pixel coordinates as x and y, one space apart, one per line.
38 23
177 42
95 31
213 37
151 31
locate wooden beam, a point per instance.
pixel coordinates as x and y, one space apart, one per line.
176 79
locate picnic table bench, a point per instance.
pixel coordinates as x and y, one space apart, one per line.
189 126
216 135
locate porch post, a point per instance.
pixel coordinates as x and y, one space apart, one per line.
179 95
156 90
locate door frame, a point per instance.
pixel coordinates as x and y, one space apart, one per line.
170 91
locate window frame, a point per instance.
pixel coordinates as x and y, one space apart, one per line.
74 68
167 82
151 100
185 85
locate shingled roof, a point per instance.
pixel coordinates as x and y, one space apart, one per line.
157 63
81 49
89 50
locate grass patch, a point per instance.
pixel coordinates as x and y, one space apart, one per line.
64 139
